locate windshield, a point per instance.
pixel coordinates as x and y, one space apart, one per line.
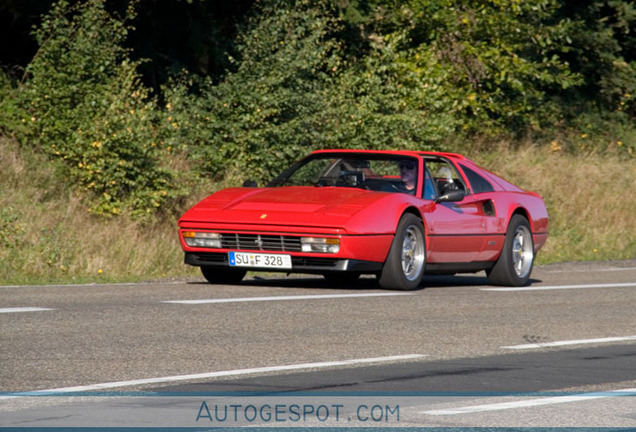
386 173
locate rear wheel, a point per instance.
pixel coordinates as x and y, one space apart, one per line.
219 275
404 267
515 263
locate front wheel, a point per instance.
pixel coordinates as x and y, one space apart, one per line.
220 275
404 266
515 263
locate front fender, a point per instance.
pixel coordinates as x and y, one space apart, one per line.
382 216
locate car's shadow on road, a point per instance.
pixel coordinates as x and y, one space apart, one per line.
364 283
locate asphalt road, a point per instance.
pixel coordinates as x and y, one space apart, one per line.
455 353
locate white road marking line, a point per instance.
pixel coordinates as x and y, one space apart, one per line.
220 374
561 287
282 298
24 309
94 284
531 402
611 269
570 342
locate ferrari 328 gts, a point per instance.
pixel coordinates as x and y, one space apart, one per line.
395 214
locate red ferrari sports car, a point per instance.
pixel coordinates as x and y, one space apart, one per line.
396 214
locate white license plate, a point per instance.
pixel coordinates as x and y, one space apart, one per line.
242 259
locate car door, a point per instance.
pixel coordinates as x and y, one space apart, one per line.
456 230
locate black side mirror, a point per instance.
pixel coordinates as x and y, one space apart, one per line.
451 196
250 183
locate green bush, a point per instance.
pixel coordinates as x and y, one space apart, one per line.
416 74
87 106
296 88
13 118
603 50
499 60
263 112
306 74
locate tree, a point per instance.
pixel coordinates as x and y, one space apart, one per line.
87 106
604 53
295 87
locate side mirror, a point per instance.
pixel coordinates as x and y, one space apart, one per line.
250 183
451 196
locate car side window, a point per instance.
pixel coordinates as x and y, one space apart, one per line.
429 187
477 182
445 176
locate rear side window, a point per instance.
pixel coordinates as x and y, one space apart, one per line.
478 183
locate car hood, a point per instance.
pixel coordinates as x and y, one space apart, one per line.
299 206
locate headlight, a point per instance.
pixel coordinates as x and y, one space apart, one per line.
202 239
320 244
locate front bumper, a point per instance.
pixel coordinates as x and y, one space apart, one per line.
300 264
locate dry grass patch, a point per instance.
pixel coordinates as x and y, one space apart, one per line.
47 234
590 199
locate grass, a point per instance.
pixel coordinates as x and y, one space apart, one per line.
590 199
48 236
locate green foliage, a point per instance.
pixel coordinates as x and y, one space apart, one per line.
379 103
11 230
540 68
599 114
47 236
294 88
264 111
87 106
604 52
498 60
386 74
309 74
13 117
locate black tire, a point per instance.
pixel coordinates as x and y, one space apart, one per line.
404 266
514 265
219 275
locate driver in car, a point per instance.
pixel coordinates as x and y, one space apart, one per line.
408 174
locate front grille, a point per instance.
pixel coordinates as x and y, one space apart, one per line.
260 242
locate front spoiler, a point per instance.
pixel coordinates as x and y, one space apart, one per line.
300 264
